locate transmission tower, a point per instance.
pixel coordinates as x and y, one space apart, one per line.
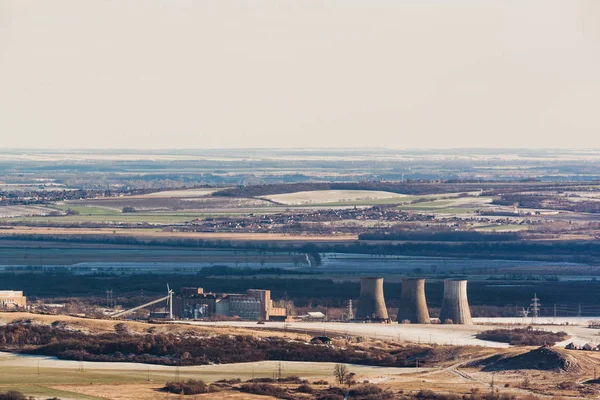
535 307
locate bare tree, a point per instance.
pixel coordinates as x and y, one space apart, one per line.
340 371
350 379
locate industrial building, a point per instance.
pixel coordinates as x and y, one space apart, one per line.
12 299
371 303
255 304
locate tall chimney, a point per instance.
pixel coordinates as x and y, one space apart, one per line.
371 304
455 306
413 306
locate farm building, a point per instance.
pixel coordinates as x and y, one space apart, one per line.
11 299
256 304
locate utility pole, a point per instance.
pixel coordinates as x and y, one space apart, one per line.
279 371
555 314
535 308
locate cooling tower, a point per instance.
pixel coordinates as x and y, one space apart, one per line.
371 304
455 306
413 306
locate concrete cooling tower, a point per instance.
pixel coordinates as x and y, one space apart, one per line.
371 304
455 306
413 306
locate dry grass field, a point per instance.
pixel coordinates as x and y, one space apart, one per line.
463 374
90 325
150 234
23 211
331 196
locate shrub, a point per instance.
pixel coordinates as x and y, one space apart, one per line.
330 396
188 387
14 395
305 388
265 389
292 379
523 336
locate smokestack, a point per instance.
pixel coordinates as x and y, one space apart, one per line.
413 306
371 304
455 306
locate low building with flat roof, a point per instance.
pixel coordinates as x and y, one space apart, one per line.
12 299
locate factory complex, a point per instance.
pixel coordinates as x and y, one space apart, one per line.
255 304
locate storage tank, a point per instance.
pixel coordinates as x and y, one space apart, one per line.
413 305
371 304
455 306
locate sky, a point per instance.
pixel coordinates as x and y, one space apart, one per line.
299 73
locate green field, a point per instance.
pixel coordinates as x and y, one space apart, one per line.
108 215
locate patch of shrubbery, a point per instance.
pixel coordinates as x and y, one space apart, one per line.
266 389
523 336
191 386
169 349
305 388
476 395
14 395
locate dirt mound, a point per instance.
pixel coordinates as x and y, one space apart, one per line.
542 359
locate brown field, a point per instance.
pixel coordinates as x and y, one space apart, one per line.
158 234
149 391
129 381
94 326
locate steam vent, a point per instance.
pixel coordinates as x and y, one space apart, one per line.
413 306
455 306
371 304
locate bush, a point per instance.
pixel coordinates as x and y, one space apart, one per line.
305 388
265 389
188 387
523 336
14 395
292 379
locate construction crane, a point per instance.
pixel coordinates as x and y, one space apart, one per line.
168 298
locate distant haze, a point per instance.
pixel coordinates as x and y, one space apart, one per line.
299 73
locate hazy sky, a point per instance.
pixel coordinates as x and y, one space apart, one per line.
300 73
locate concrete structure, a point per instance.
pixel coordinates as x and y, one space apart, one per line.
455 306
371 304
256 304
413 305
12 299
